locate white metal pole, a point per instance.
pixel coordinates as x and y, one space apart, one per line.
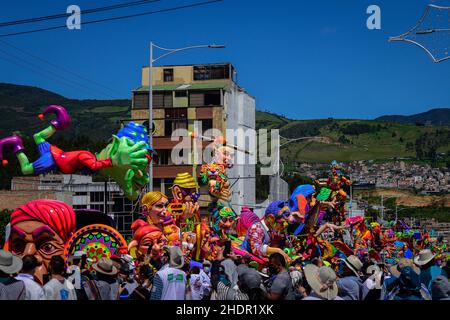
150 116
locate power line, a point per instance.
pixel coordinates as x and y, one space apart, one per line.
114 18
59 67
64 15
45 73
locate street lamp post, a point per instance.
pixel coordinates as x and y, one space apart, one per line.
150 92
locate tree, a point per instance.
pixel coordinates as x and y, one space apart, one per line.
5 216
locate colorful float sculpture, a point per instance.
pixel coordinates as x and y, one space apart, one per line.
184 207
214 174
146 236
125 159
46 228
98 241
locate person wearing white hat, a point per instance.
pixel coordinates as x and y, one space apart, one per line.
428 268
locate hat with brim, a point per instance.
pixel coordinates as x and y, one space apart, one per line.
105 266
322 280
397 268
353 263
10 263
176 259
424 257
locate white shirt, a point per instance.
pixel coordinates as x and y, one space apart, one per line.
57 290
33 291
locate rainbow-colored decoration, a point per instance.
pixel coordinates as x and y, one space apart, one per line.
98 241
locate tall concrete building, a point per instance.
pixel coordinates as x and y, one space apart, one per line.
186 96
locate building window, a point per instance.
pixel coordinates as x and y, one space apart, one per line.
212 98
164 156
79 206
97 196
82 193
168 75
204 98
99 207
172 125
207 124
140 100
211 72
162 99
181 94
176 113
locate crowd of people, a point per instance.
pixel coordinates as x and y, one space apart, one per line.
227 277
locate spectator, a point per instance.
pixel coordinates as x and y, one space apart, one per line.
407 286
207 268
227 287
58 288
281 285
350 285
106 286
142 292
322 282
33 290
428 268
195 284
170 281
10 288
126 280
440 288
74 270
250 283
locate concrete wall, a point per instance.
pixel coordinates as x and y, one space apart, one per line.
240 114
181 75
11 199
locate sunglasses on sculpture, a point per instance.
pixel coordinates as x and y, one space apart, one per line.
194 194
227 219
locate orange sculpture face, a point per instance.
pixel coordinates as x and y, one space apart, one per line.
37 239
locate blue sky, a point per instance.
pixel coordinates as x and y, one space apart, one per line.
302 59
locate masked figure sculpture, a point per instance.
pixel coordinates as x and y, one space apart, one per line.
147 236
223 219
214 174
335 183
262 236
154 206
125 159
41 228
184 207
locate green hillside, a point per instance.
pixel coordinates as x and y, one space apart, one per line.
343 140
347 140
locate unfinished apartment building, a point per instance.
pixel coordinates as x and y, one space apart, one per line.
183 94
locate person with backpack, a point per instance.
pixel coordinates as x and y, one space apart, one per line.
10 288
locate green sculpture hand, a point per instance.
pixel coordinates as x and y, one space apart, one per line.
126 153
